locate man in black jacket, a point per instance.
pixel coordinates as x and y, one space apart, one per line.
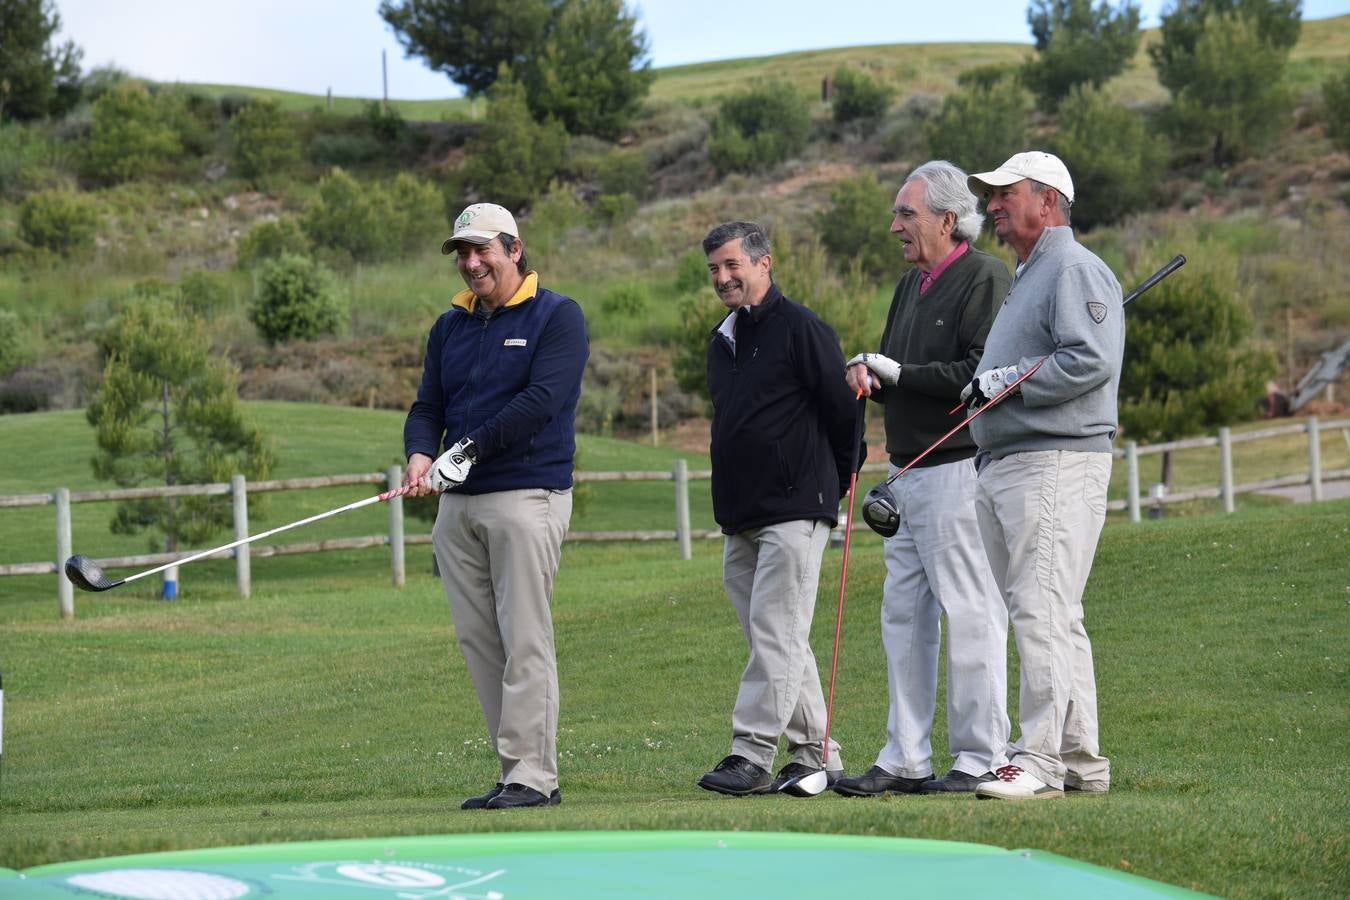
782 451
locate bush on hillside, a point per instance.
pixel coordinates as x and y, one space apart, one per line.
759 129
691 272
859 98
629 299
295 300
513 159
193 115
203 292
1336 100
353 217
981 125
418 217
63 221
264 140
13 350
131 136
1114 158
344 149
270 240
856 228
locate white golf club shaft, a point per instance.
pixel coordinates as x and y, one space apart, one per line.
387 495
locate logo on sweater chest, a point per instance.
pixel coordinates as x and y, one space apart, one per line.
514 342
938 323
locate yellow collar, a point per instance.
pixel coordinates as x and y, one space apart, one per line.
466 300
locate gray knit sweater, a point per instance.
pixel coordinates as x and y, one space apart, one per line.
1064 305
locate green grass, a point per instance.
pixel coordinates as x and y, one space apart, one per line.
332 705
414 110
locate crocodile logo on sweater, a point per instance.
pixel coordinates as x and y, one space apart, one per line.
1097 310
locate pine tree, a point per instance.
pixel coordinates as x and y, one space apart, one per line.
37 77
166 413
1077 43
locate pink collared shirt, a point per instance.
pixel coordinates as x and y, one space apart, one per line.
927 281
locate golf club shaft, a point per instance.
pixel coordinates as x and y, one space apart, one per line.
843 578
387 495
1173 264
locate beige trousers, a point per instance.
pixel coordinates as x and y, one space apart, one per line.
771 575
498 554
1040 516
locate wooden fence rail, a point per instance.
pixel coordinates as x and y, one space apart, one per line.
682 534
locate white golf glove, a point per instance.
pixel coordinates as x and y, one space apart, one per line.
886 369
988 385
452 467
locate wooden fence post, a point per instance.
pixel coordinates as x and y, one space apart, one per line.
1132 479
1314 459
1226 467
682 509
243 561
65 591
396 553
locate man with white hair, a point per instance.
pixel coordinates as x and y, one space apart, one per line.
1045 460
935 561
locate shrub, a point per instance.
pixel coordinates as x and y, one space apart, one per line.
269 240
264 139
13 351
417 212
856 227
204 293
691 272
859 98
294 301
981 125
344 149
759 128
1114 158
353 217
131 135
233 102
63 221
1336 99
613 209
513 159
622 172
630 299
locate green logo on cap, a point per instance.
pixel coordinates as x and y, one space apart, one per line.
464 219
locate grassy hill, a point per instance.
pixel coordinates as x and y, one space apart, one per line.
332 705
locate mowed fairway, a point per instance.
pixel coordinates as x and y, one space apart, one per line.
333 705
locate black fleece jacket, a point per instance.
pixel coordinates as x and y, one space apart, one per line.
783 418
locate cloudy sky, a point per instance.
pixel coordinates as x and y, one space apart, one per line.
314 45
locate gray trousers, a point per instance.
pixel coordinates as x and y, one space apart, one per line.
771 575
1040 515
498 554
936 564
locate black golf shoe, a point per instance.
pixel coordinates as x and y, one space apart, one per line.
877 782
515 796
738 777
956 782
800 770
481 801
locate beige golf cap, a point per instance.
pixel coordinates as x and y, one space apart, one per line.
479 224
1034 164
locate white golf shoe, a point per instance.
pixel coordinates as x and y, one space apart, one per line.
1016 783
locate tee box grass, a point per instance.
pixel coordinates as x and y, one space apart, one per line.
330 704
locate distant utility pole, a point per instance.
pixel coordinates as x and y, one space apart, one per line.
384 72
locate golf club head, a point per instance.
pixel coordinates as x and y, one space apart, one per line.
880 512
810 785
87 575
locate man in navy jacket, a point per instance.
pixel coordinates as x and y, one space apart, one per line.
499 392
782 452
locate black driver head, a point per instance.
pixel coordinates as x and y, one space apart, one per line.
87 575
880 512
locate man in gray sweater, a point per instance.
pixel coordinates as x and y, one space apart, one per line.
1045 459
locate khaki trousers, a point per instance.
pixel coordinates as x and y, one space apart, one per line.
1040 515
771 575
936 564
498 554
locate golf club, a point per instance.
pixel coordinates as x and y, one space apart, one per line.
1173 264
87 575
816 782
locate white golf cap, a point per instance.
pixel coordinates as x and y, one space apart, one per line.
479 224
1034 164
